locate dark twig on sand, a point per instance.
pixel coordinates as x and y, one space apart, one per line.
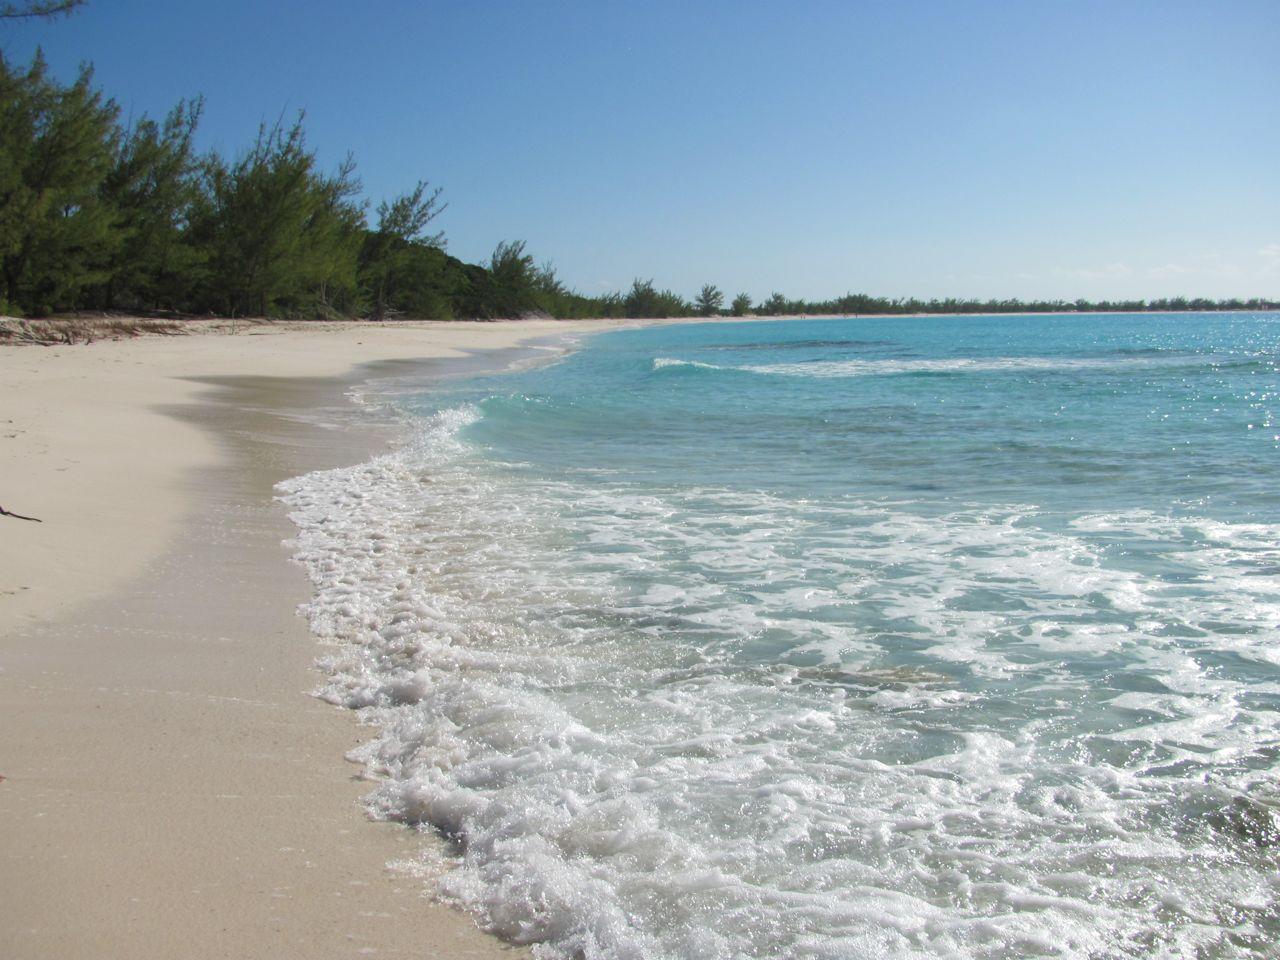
18 516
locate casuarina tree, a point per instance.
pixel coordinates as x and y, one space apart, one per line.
709 301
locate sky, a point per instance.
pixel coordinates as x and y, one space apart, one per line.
1031 148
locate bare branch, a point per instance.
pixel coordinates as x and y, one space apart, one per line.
18 516
46 9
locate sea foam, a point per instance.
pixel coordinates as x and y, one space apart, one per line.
836 369
719 723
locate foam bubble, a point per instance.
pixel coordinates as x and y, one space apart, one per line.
714 723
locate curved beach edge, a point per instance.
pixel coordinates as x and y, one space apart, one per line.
169 787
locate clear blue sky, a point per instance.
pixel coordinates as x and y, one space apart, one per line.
930 147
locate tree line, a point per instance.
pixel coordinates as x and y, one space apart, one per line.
101 215
644 301
710 301
96 214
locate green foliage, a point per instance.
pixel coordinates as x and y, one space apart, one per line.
406 217
511 278
150 189
409 280
645 301
281 238
741 305
861 303
710 301
505 289
402 270
554 299
55 149
775 305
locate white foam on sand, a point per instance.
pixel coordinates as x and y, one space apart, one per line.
718 724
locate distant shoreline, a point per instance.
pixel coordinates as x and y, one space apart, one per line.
86 328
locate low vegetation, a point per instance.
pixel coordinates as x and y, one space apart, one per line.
83 329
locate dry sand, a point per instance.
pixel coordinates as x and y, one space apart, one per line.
170 790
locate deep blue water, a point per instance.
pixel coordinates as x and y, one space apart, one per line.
954 636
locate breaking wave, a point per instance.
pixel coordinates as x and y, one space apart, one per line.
672 723
958 365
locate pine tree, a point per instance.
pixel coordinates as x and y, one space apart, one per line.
709 301
55 148
150 188
280 237
506 288
403 270
776 305
645 301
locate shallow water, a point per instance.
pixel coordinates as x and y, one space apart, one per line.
847 638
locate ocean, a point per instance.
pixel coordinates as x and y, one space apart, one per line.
844 638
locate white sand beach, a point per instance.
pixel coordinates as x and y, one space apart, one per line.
170 789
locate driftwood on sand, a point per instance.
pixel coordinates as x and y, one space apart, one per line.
18 516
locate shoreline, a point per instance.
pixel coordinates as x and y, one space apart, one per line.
167 785
170 786
101 408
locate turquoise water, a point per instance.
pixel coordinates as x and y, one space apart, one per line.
834 638
1070 413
